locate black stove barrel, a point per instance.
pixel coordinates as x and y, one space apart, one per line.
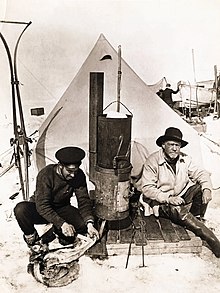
110 140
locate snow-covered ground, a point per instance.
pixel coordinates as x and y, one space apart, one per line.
173 273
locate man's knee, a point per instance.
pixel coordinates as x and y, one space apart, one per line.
20 209
178 213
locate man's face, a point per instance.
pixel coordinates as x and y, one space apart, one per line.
69 171
171 149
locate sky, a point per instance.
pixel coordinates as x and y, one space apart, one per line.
178 40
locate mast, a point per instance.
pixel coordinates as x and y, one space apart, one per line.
190 101
216 90
194 68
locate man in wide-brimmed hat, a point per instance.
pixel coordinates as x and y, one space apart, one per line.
176 188
55 185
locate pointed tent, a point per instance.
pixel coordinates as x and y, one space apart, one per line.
161 84
68 123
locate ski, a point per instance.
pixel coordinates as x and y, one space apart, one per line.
20 142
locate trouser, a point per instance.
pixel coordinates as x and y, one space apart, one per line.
27 216
185 215
193 196
193 204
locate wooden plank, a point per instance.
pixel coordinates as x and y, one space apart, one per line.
194 241
181 232
112 236
163 245
152 228
168 231
125 235
139 238
156 248
137 250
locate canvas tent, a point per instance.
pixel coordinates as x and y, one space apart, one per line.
161 84
68 123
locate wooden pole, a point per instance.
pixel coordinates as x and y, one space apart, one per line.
190 101
119 79
194 68
216 90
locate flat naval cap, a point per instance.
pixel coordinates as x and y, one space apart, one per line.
70 155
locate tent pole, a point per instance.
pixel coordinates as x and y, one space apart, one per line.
119 79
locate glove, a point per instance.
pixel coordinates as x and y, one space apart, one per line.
68 230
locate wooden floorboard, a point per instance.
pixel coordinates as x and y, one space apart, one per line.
168 231
152 228
160 236
181 232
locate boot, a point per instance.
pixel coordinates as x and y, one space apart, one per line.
31 239
48 236
199 229
37 247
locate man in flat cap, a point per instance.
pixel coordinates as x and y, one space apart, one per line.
174 187
50 203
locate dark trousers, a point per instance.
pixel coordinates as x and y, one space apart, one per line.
186 216
27 216
193 204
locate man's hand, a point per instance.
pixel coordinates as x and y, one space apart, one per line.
92 231
68 230
176 200
206 196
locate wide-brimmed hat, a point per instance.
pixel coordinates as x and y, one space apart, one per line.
171 133
70 155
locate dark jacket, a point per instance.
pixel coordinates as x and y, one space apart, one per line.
53 192
167 96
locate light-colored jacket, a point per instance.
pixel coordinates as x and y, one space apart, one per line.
159 181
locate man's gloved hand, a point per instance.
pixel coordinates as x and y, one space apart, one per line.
176 200
68 230
206 196
92 231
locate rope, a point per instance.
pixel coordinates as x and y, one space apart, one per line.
5 153
7 169
43 86
212 151
210 140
